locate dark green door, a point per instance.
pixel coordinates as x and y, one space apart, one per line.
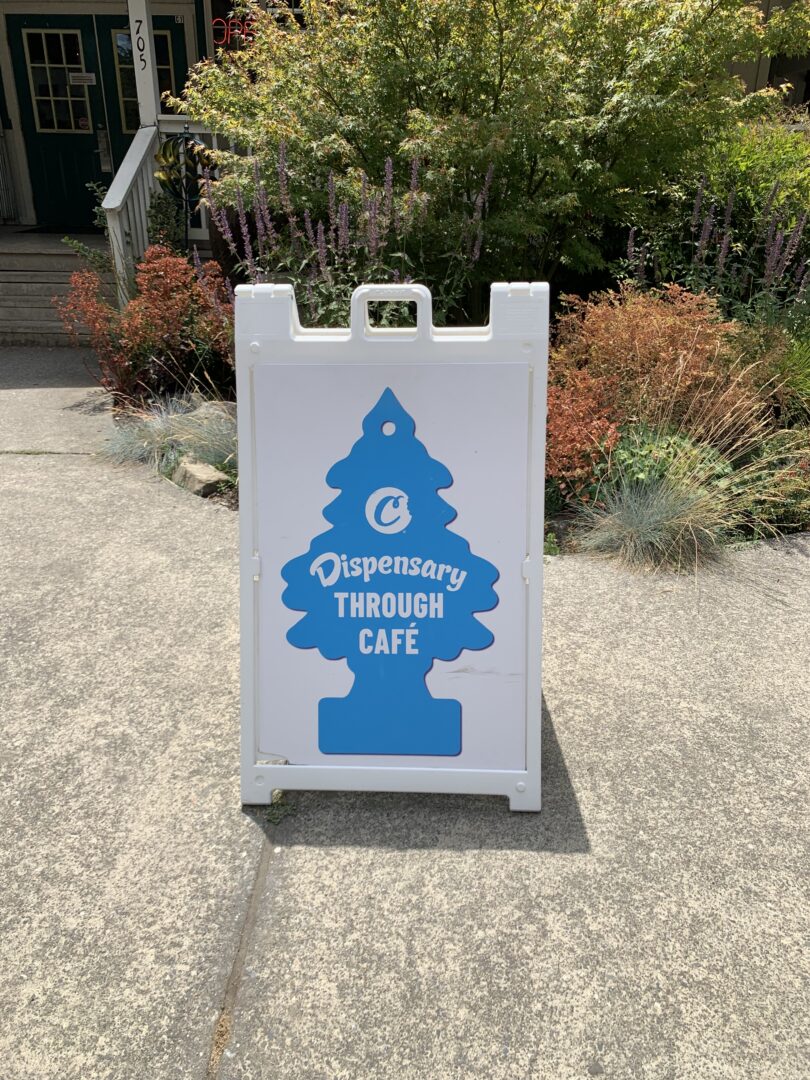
61 113
118 71
79 108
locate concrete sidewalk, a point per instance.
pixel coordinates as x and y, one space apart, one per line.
125 858
650 923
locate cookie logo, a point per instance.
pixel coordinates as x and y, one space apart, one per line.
387 510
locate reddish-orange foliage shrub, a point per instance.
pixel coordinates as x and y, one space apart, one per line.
656 345
176 331
670 359
581 428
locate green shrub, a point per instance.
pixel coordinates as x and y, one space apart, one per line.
582 109
738 228
644 454
793 379
165 223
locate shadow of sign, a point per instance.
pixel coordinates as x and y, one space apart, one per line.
441 822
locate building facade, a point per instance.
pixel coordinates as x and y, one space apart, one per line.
72 77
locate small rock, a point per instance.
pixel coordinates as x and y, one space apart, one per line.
216 409
198 478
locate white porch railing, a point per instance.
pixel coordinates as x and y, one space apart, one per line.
127 201
126 205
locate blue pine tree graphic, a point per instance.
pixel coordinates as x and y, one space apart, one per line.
389 588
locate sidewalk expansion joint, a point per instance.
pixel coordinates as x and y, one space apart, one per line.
48 453
224 1025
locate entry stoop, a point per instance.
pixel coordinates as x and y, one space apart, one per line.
34 268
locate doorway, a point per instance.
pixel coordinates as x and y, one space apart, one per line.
78 107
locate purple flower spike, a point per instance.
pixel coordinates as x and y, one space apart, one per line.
388 189
333 223
698 203
414 175
766 209
308 229
729 209
792 245
263 213
343 228
246 241
284 180
773 254
724 249
219 215
323 261
705 234
479 238
373 226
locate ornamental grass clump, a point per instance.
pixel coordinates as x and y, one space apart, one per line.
655 524
665 501
166 431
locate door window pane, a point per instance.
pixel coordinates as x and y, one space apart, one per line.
61 108
131 116
53 48
44 115
36 49
58 105
39 82
125 70
73 52
123 48
128 89
81 121
59 82
162 51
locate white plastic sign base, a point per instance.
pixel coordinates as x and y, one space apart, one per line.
391 506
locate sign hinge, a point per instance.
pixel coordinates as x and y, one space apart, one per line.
526 569
255 563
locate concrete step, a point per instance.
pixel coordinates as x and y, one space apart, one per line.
28 312
32 289
34 336
23 283
33 261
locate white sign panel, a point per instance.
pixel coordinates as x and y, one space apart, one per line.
391 502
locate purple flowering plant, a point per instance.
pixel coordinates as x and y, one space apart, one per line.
754 261
377 235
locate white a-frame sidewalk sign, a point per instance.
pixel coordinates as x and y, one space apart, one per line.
391 503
